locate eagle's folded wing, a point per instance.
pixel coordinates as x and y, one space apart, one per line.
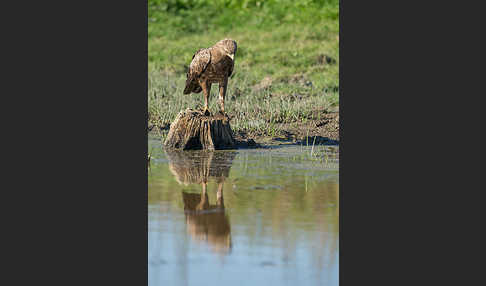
200 61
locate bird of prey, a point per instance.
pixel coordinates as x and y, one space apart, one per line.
211 65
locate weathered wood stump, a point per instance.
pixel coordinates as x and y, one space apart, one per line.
193 130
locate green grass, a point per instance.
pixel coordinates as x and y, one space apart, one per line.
281 40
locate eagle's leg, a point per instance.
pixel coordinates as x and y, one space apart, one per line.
206 90
204 203
219 196
222 93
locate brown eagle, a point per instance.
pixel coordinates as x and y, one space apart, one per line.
211 65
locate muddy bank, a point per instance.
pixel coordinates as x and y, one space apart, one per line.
324 131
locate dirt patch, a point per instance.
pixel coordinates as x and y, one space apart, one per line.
264 84
299 79
326 127
325 59
325 131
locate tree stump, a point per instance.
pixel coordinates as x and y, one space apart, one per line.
193 130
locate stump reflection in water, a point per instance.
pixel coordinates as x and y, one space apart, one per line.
205 222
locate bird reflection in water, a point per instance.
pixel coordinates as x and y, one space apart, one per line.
205 221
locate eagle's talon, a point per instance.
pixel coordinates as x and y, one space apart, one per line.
206 112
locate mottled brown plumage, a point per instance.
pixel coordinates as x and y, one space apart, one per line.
211 65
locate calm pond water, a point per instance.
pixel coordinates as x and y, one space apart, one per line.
243 217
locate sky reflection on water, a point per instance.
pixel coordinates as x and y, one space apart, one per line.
246 217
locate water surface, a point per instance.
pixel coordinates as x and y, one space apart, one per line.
243 217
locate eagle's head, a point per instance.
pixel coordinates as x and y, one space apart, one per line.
228 46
